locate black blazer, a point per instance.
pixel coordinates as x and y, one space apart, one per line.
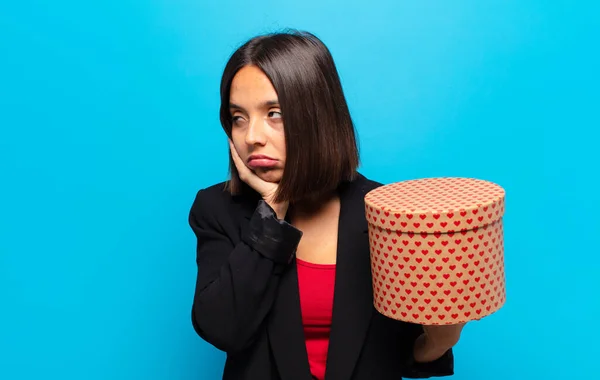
247 303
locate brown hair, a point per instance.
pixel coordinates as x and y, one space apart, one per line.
321 146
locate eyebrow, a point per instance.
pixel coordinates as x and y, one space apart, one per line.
268 103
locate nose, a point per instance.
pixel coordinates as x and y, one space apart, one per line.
255 133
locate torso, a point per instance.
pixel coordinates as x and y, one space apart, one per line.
320 234
316 265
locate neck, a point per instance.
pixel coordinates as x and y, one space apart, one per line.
312 205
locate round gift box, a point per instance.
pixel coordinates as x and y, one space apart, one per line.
437 249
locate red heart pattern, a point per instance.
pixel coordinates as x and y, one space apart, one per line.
435 204
437 274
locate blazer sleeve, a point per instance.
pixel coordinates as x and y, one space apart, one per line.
444 366
236 284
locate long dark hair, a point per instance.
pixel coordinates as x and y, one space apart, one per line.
321 144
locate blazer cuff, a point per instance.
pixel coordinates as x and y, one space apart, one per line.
275 239
443 366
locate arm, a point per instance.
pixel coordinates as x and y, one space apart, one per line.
236 284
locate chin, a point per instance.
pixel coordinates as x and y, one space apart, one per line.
273 176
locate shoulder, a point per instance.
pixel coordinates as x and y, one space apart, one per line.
215 203
215 195
366 184
210 202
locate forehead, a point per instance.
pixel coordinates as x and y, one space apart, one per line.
251 85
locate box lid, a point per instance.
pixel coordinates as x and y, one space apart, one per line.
431 205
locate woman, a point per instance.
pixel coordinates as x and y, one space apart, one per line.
284 280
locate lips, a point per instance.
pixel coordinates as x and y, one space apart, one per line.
260 157
261 161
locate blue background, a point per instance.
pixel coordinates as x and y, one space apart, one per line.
109 125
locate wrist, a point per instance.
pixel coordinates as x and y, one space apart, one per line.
280 209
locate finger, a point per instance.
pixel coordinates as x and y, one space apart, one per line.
244 172
236 158
234 152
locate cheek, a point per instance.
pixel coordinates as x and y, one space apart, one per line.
237 137
239 141
281 142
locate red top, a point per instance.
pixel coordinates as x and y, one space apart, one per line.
316 283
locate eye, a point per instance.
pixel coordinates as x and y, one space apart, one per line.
235 119
275 114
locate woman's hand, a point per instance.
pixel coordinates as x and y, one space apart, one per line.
267 190
436 340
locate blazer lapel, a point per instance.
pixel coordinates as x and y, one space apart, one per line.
286 333
284 326
353 302
284 322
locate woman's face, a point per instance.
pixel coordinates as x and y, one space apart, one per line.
257 124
